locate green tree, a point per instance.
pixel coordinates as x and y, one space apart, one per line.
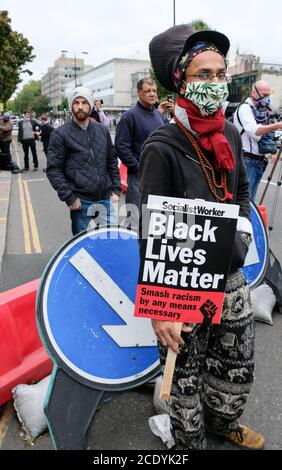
64 106
198 25
162 91
15 52
30 98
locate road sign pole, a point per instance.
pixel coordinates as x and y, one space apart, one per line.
70 409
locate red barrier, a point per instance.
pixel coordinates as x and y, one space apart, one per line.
123 177
263 214
22 355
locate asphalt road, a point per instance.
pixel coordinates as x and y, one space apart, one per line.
123 422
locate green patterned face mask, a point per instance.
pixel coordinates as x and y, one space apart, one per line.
208 97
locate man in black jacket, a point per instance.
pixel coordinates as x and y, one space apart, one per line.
134 127
82 165
199 156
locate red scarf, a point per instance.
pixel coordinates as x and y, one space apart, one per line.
210 129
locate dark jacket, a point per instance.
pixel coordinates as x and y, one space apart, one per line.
169 166
133 129
82 163
35 126
46 131
6 128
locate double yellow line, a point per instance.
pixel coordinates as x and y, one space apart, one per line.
31 237
30 231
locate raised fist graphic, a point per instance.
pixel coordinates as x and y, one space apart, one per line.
208 310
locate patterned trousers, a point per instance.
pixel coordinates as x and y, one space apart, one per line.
214 371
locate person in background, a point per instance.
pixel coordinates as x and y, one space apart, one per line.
98 115
45 133
252 121
198 156
82 165
102 116
27 134
133 129
6 128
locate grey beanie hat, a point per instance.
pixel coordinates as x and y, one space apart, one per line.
167 48
83 92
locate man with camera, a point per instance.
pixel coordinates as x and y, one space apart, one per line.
252 119
133 129
97 113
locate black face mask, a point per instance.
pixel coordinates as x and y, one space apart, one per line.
263 102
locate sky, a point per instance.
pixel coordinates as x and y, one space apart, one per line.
124 28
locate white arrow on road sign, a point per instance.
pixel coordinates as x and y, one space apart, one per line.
137 332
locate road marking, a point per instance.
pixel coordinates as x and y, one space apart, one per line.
4 199
265 182
35 180
27 243
5 421
2 219
33 225
30 230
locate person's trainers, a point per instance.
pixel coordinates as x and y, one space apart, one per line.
35 168
16 171
246 437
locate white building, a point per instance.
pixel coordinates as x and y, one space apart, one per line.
54 81
113 82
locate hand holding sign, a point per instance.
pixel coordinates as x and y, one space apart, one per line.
169 335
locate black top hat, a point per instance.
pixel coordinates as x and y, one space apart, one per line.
168 47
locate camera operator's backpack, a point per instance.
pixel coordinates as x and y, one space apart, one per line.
266 143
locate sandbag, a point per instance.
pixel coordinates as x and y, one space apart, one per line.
29 403
263 303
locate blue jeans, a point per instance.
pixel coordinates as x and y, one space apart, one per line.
254 169
100 211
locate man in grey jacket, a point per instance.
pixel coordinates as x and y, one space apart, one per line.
82 165
26 136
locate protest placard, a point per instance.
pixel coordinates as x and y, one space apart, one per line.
185 259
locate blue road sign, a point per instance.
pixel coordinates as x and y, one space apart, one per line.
85 311
257 258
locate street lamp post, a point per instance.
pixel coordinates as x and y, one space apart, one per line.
173 12
74 54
